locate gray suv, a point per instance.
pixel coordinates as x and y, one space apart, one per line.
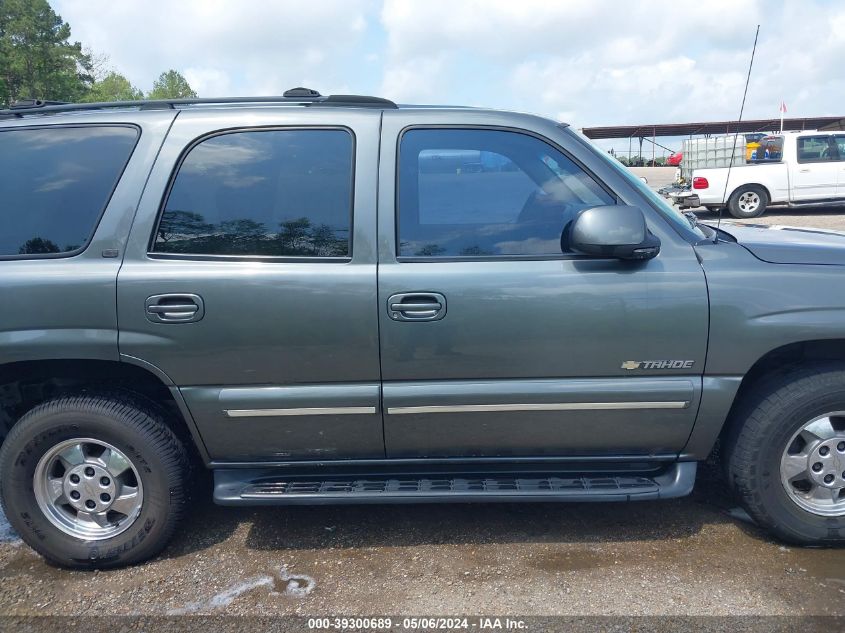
338 300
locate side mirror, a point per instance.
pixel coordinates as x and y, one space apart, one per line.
617 231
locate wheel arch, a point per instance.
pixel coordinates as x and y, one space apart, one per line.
25 384
750 184
723 397
791 355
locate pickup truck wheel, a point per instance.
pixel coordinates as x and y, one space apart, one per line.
749 201
786 455
93 481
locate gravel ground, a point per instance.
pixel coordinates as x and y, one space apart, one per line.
687 556
831 218
693 556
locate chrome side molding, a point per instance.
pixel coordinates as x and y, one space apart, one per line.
552 406
268 413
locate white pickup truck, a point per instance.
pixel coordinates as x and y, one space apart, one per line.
801 169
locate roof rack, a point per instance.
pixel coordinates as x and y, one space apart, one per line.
303 96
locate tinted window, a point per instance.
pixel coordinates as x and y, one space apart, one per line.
487 192
55 183
814 148
263 192
839 139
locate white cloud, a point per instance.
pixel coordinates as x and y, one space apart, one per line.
208 82
236 47
605 62
600 62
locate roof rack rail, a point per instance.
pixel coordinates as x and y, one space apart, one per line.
301 92
304 96
20 104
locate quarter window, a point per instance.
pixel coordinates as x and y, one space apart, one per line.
471 193
282 193
55 183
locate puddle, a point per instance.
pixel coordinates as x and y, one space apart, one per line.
291 585
826 565
574 561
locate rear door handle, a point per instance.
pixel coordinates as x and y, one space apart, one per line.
416 306
174 308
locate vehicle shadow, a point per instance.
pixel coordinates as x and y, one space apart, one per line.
356 526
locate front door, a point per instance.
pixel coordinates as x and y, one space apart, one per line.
249 287
815 170
493 341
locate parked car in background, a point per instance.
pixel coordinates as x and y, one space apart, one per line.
800 170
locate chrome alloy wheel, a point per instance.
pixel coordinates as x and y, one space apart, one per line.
88 489
812 468
749 202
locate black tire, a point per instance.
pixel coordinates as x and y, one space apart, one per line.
738 204
758 433
130 424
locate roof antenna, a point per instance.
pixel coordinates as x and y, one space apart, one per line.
736 134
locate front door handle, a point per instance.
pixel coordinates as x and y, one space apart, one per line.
174 308
416 306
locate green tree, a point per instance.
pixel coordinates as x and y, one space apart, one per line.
113 87
243 235
182 224
171 85
39 245
327 242
430 250
37 58
294 237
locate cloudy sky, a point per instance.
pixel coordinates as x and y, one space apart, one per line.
596 62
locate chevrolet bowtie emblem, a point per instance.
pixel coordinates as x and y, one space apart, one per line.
631 364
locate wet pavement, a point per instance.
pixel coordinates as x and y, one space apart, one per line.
686 556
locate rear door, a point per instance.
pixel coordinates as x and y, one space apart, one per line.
66 197
494 343
250 281
815 170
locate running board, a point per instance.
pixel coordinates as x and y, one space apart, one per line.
233 486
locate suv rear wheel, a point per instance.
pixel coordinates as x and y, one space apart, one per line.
93 481
786 455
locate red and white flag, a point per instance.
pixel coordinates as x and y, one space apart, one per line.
782 107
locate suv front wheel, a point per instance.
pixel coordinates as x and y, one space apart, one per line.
786 454
93 481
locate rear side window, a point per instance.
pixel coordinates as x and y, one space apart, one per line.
770 149
814 149
839 139
282 193
472 192
55 183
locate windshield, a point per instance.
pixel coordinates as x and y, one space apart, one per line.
673 215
